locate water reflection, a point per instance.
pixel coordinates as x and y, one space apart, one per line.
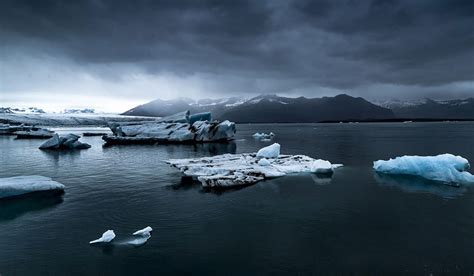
414 184
14 207
321 179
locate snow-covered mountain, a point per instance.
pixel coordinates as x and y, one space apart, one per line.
270 109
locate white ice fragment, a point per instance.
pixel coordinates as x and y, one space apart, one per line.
263 162
263 136
445 167
321 166
107 236
143 231
272 151
18 185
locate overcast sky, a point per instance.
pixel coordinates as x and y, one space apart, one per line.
112 55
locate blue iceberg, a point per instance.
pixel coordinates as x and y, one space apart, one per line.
446 168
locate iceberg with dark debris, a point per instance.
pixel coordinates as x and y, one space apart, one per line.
179 128
446 168
230 170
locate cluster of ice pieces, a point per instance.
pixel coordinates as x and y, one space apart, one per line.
178 128
264 136
446 168
229 170
68 141
140 237
19 185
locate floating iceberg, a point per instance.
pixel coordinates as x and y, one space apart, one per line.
19 185
445 168
271 151
229 170
143 231
179 128
107 236
264 136
40 133
68 141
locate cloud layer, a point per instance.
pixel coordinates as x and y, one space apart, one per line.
139 50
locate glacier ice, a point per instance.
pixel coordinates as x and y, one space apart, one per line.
445 168
229 170
19 185
271 151
107 236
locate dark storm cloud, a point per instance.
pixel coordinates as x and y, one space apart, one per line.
332 44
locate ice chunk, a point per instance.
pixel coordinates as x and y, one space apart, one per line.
18 185
107 236
263 162
446 168
139 240
271 151
321 166
143 231
68 141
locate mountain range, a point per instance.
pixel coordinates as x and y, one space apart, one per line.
276 109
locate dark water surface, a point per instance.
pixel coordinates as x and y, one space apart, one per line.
355 223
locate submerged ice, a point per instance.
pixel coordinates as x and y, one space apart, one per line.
445 168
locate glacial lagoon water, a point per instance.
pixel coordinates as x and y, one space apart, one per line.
355 223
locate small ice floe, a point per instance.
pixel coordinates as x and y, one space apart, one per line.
140 236
19 185
230 170
145 231
264 136
107 236
68 141
446 168
271 151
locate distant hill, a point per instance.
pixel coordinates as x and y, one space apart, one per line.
271 109
451 109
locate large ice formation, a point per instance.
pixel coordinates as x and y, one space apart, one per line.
445 168
229 170
178 128
19 185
